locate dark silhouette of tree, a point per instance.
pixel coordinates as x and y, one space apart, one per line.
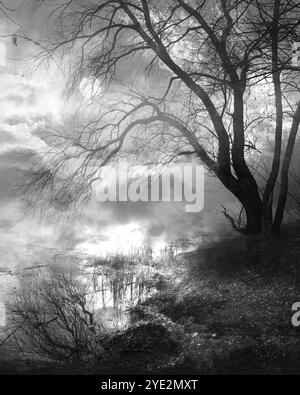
212 59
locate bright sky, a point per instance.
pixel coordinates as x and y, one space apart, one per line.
2 54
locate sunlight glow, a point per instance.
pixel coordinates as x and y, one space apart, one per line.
158 248
121 239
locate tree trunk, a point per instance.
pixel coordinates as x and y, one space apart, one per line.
253 209
246 191
285 172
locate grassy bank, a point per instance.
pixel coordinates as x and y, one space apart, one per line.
234 306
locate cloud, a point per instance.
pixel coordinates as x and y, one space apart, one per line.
6 224
7 138
27 104
9 177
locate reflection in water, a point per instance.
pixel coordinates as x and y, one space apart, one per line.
115 290
110 287
62 313
115 283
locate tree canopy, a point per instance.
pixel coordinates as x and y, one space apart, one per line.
178 78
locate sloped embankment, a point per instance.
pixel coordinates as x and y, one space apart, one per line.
231 310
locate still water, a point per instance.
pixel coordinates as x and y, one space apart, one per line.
115 283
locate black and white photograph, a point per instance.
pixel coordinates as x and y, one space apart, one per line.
149 190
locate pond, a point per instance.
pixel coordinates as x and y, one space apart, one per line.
112 289
113 283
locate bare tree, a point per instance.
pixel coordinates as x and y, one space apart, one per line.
212 59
